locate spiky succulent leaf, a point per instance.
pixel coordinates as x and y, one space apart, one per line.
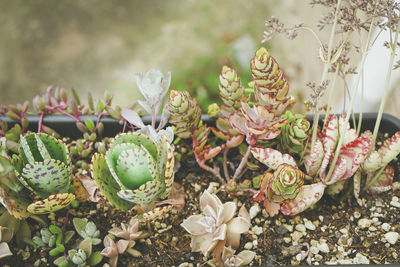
106 183
144 194
157 212
390 149
51 204
307 196
46 177
271 157
383 183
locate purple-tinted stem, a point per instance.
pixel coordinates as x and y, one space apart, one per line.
214 171
40 122
242 164
124 127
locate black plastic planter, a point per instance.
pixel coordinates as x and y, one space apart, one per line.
66 126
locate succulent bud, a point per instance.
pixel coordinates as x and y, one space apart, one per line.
184 113
230 87
270 84
295 133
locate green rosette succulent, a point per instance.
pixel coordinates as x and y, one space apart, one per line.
230 87
134 170
294 133
44 167
184 112
285 183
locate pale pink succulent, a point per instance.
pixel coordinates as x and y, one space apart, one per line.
128 234
229 259
216 224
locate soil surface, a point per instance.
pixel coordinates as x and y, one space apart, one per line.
333 232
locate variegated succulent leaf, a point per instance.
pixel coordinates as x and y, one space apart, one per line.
357 186
6 165
51 204
373 162
166 164
313 160
106 183
46 177
272 158
15 203
329 139
144 194
350 158
307 196
335 188
382 183
157 212
390 149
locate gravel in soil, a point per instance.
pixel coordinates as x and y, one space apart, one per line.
332 232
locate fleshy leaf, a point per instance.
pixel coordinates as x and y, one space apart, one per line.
4 250
372 162
350 158
335 188
132 117
271 157
166 162
308 196
384 181
46 177
144 194
106 183
51 204
157 212
15 203
313 160
137 139
390 149
329 140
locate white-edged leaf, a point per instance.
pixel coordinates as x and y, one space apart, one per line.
271 157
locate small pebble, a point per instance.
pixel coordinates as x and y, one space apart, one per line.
360 259
357 214
364 223
301 228
254 210
248 245
323 247
257 230
385 227
392 237
309 225
289 227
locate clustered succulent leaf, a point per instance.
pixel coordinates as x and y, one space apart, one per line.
81 257
87 230
127 235
44 167
216 225
135 170
52 237
294 133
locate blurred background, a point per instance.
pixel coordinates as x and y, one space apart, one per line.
94 45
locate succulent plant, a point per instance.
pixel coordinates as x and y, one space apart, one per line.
135 170
44 167
230 88
229 259
6 235
257 123
81 257
282 185
270 84
184 113
379 175
127 233
87 230
317 161
294 133
216 225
